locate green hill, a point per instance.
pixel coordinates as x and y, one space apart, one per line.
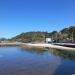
65 35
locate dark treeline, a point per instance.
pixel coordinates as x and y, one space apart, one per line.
65 35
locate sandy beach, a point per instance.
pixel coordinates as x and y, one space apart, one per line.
37 45
48 45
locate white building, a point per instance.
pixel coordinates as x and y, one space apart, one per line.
48 40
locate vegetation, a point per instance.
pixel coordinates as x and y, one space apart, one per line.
65 35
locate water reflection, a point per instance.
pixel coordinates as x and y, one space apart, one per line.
21 61
34 50
63 54
67 65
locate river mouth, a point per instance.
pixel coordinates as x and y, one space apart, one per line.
21 61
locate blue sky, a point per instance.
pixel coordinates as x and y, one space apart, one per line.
17 16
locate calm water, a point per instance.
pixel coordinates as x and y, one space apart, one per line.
19 61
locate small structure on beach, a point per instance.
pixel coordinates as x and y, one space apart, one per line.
48 40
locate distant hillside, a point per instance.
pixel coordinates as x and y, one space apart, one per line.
31 37
65 35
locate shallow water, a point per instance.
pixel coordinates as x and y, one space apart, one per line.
20 61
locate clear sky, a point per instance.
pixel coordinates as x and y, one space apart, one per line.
18 16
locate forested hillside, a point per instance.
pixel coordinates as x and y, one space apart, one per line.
65 35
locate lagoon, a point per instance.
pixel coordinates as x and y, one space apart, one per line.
21 61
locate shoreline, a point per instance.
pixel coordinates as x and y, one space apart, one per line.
37 45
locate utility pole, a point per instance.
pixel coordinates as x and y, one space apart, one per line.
56 38
52 38
45 37
72 37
